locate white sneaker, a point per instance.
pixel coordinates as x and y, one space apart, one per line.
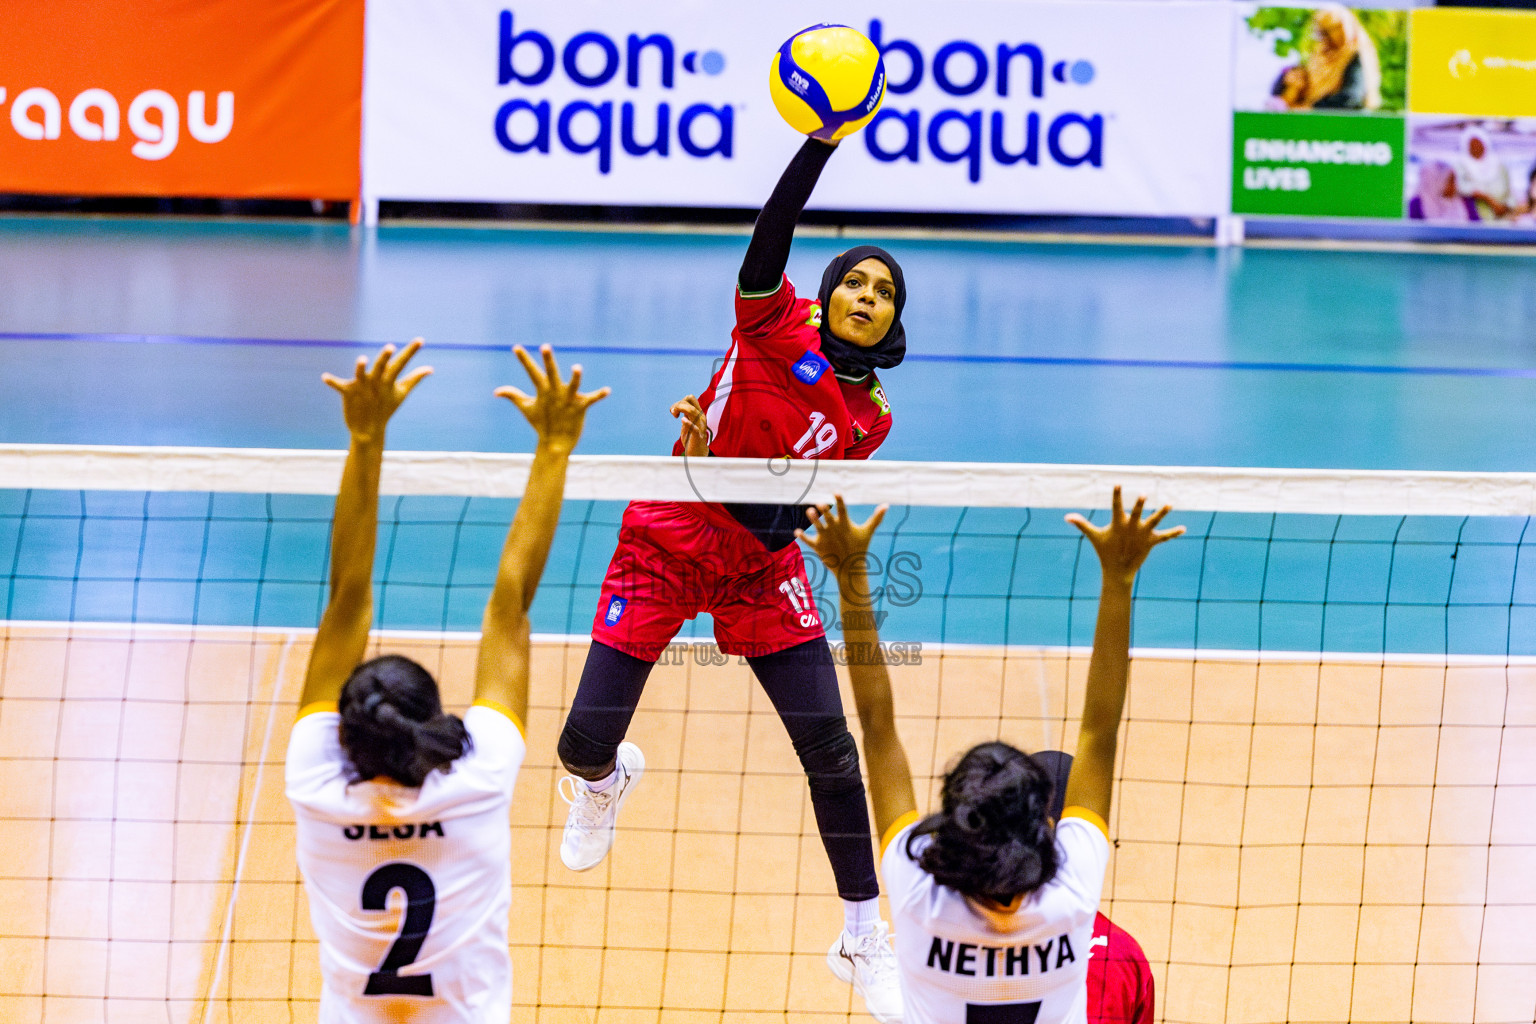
589 824
870 964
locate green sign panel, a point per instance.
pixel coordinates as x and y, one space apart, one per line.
1317 165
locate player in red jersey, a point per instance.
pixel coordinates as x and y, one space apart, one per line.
1120 986
798 381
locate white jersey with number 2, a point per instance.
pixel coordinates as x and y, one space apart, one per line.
963 962
409 889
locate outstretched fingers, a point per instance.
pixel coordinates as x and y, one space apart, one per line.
395 365
534 373
1156 536
1135 516
514 396
551 368
380 363
359 372
1093 533
416 376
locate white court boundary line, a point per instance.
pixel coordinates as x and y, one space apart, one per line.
227 932
293 635
664 478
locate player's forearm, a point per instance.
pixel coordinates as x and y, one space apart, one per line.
342 639
532 531
890 775
768 252
861 639
355 527
1091 783
1110 664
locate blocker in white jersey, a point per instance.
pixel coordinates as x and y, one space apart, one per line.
404 834
966 961
409 889
993 901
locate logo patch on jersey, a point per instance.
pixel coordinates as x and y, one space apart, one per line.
814 320
615 611
878 394
809 367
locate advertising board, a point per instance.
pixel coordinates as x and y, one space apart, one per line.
992 105
161 97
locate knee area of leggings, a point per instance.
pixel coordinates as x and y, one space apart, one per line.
830 758
583 756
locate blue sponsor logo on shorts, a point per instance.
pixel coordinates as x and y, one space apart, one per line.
615 611
810 367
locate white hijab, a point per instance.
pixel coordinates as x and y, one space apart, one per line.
1483 174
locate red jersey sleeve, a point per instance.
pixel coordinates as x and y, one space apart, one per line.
771 320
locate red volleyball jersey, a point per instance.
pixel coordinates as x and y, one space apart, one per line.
1120 989
775 394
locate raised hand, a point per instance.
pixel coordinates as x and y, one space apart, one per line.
1126 540
373 394
839 541
557 409
695 426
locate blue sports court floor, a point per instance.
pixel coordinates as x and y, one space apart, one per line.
149 332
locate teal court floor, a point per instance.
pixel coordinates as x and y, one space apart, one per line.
213 333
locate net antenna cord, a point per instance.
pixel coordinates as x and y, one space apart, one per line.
667 478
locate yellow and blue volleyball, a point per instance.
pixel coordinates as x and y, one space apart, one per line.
827 81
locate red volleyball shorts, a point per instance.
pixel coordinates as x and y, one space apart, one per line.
674 561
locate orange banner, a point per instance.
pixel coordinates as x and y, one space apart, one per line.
222 98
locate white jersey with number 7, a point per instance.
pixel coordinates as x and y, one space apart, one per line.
409 889
963 962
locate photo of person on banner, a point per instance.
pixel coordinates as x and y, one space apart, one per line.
1330 58
1463 171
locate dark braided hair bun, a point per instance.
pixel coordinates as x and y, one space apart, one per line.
994 836
393 725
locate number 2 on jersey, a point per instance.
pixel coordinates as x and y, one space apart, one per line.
420 902
824 434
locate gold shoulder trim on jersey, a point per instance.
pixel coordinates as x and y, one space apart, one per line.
895 829
316 707
1089 816
486 702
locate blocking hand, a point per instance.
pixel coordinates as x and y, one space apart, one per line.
557 409
1126 540
373 394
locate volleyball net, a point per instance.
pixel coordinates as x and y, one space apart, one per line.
1325 805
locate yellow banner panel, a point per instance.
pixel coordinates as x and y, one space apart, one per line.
1473 62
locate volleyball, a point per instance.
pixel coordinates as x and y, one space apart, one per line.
827 81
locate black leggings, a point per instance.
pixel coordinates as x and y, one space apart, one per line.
802 685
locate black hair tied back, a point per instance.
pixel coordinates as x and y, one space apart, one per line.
393 725
994 837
